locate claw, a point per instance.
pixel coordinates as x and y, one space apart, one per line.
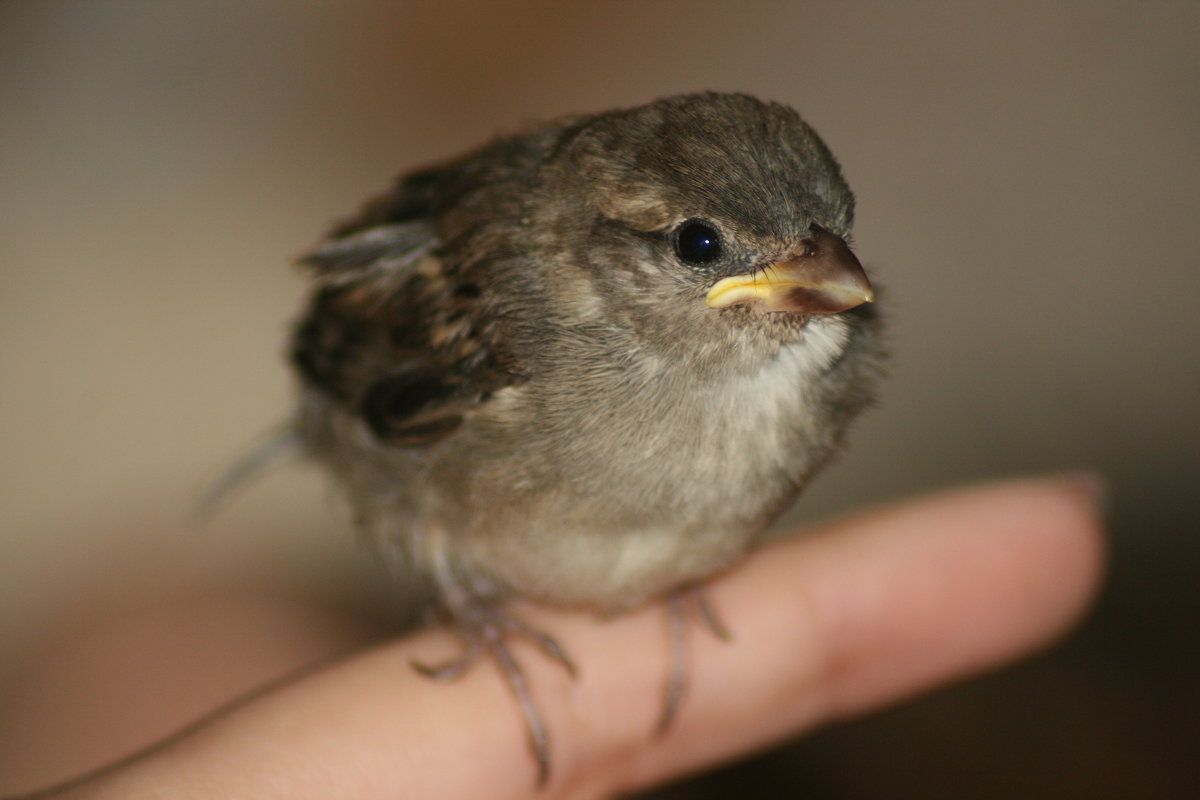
535 726
544 642
453 668
708 616
485 629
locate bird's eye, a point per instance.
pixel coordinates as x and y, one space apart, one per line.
697 242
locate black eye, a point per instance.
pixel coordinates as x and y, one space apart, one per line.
697 242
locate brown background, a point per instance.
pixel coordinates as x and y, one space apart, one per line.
1028 188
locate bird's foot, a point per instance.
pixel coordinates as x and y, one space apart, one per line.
679 604
485 629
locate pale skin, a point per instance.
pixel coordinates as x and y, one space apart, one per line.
845 619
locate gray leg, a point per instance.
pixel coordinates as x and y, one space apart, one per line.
484 628
677 671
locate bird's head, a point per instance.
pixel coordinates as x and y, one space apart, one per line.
719 203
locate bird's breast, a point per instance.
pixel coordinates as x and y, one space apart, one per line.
655 480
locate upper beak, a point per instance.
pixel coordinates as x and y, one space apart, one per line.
824 279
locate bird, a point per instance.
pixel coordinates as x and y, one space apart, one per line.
585 364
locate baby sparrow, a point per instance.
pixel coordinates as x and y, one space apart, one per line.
588 363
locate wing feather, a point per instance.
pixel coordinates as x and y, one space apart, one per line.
391 332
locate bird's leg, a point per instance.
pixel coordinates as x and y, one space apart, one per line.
485 628
677 671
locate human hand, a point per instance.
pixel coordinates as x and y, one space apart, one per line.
845 619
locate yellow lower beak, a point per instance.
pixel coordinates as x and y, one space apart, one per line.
825 279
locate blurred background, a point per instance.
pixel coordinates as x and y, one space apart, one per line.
1028 177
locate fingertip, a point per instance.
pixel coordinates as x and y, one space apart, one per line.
976 577
1067 524
884 604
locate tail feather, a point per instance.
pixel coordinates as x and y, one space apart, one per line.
274 447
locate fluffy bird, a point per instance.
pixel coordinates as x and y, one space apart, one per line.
588 363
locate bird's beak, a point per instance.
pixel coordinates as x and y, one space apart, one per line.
824 279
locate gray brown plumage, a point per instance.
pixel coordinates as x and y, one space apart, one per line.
586 364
